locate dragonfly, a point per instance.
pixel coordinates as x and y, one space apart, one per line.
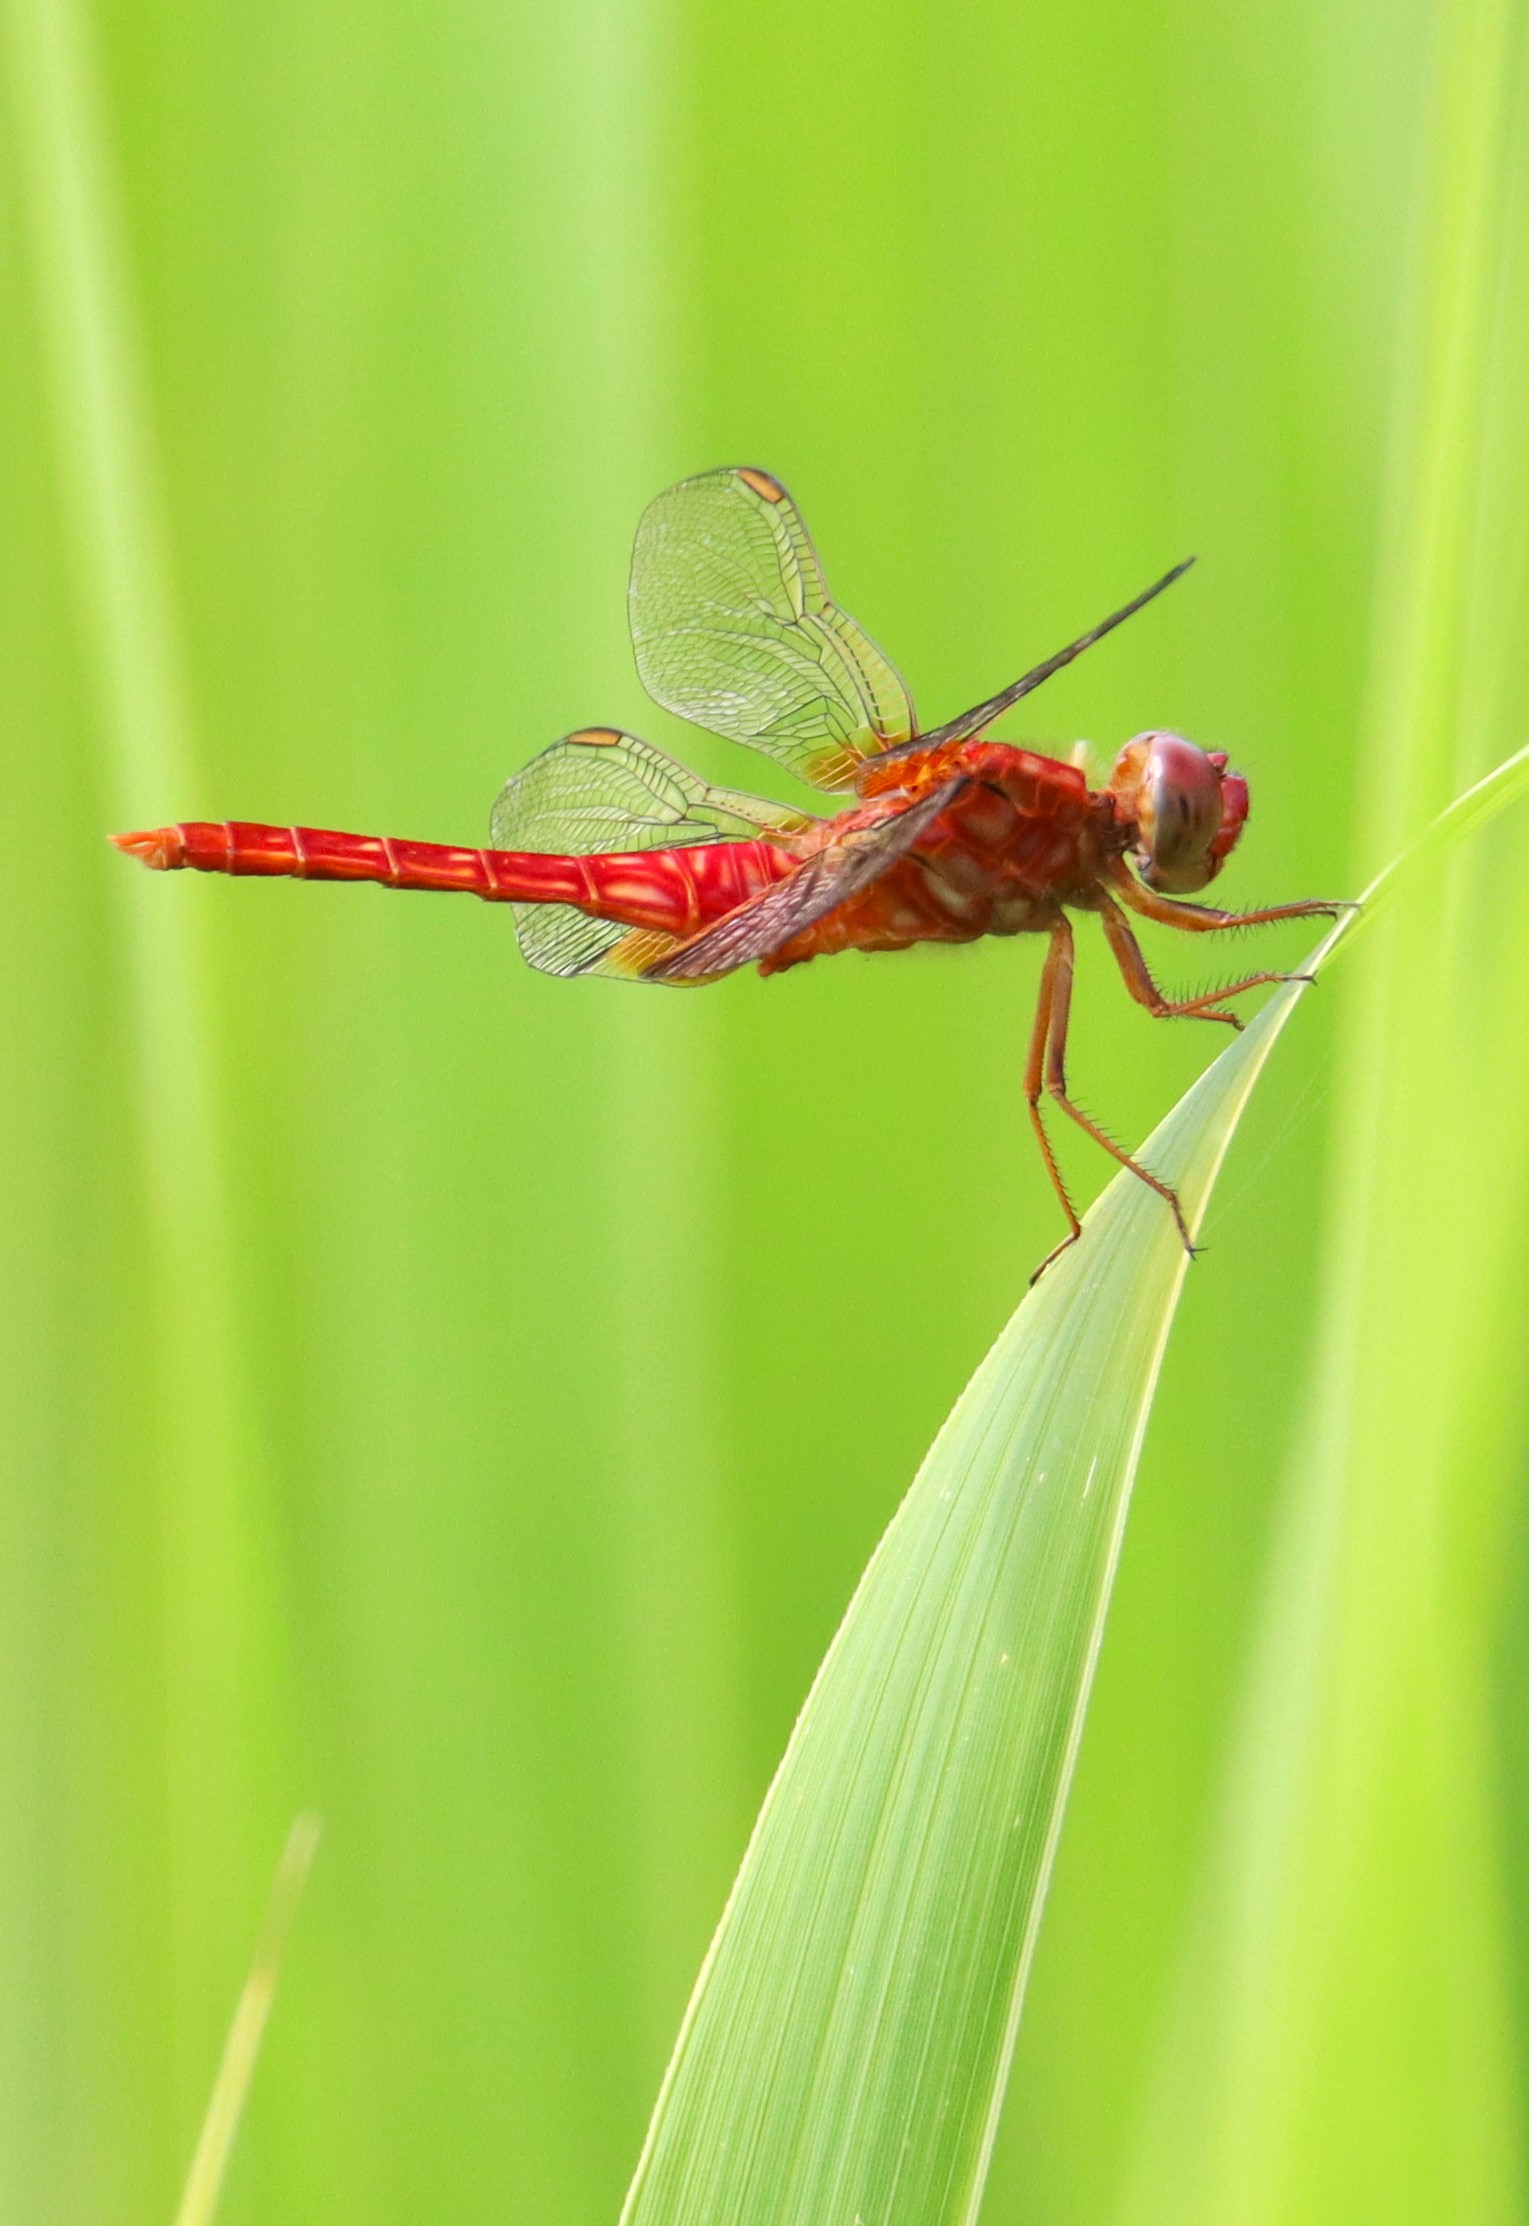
619 862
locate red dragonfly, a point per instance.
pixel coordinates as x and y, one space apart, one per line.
618 861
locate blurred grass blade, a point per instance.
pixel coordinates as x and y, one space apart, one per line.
204 2182
1343 2040
846 2049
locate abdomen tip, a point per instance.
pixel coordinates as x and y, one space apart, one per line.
154 846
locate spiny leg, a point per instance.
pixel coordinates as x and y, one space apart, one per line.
1138 979
1056 1083
1035 1070
1204 919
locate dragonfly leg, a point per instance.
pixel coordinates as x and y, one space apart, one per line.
1204 919
1035 1076
1056 1081
1138 980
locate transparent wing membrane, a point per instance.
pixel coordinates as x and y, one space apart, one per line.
556 939
733 627
603 790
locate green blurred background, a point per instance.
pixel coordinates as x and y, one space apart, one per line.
461 1401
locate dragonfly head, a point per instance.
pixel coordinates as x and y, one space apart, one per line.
1187 809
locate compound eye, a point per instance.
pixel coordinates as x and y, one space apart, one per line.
1179 813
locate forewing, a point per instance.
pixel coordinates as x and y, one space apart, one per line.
602 790
734 628
818 886
968 723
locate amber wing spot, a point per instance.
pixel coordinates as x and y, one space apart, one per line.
635 953
762 484
598 738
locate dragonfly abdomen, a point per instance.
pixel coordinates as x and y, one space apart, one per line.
245 846
677 890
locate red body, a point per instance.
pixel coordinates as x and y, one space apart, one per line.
678 891
1024 838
